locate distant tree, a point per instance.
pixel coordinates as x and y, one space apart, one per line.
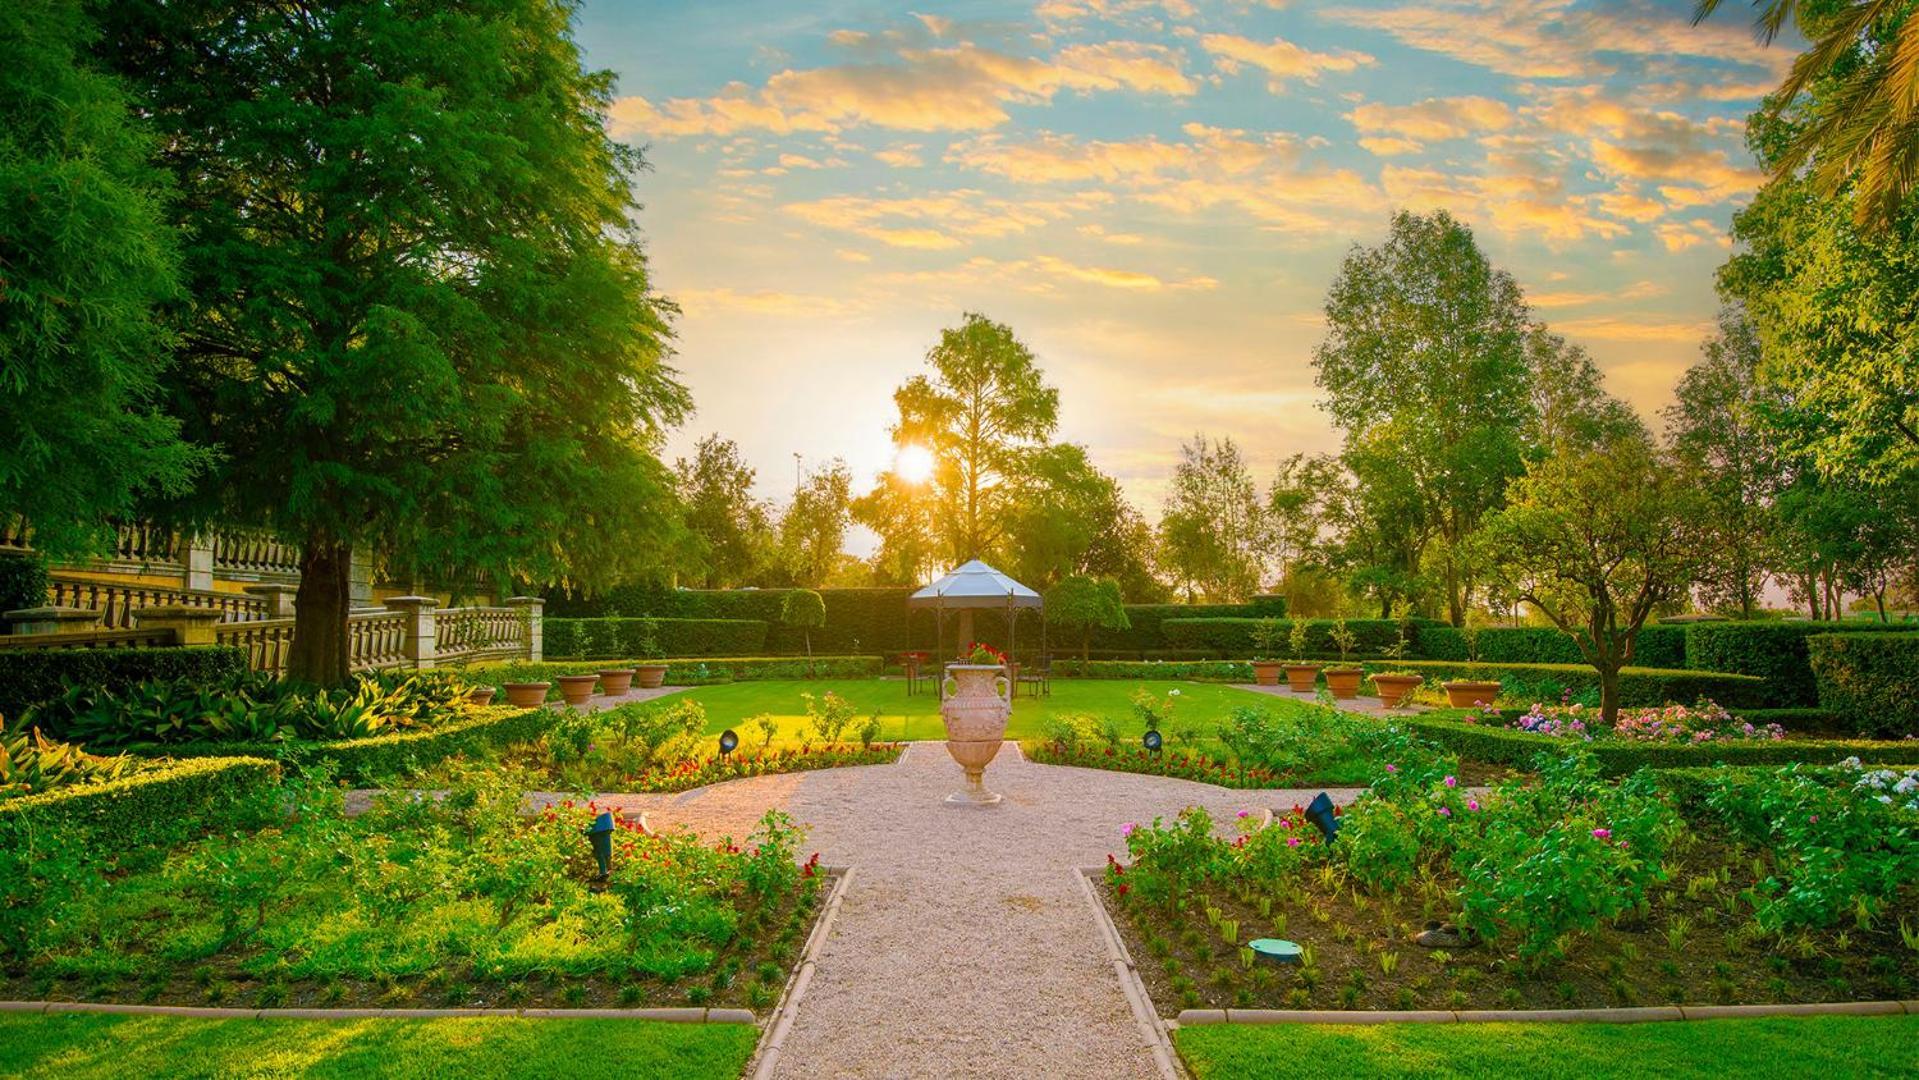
902 514
1833 537
86 253
419 322
813 528
1570 404
1424 367
1086 604
803 609
1719 432
1212 531
1597 540
730 525
1065 517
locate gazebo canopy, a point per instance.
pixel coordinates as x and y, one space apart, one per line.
975 585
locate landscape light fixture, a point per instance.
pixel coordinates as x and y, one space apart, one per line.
601 834
1153 740
729 742
1320 812
1275 950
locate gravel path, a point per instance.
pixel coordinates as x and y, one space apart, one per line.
963 948
1365 706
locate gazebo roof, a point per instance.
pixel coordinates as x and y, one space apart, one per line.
975 585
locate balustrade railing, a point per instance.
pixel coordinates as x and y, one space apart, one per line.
479 633
150 638
117 603
267 642
254 552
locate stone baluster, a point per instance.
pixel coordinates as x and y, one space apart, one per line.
530 609
420 646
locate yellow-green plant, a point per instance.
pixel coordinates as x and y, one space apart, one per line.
31 763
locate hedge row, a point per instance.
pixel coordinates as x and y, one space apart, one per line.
154 806
1546 682
1656 646
1870 679
1233 638
1775 651
597 639
366 761
31 676
1689 786
683 671
1236 671
1505 746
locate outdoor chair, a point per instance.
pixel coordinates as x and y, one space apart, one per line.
1037 677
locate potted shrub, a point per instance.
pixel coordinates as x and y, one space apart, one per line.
1396 687
578 689
616 681
1265 645
1343 680
1302 675
527 695
1470 693
649 671
483 695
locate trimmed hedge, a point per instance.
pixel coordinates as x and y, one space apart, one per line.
1656 646
1505 746
362 761
1238 671
31 676
683 671
1233 637
1689 786
1637 686
154 806
24 582
597 639
1871 680
1775 651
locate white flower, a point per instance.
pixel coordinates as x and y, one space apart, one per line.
1908 785
1850 763
1173 692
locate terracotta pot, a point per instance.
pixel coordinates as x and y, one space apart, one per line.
1344 681
1395 689
480 695
1467 694
1266 672
577 689
616 682
975 711
527 695
1301 678
651 675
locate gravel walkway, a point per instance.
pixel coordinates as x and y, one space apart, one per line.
1365 706
963 948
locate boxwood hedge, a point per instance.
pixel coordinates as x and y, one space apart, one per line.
1655 647
30 676
1637 686
1232 638
1775 651
1505 746
365 761
154 806
1870 680
683 671
1237 671
601 639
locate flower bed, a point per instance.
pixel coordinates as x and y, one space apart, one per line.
1183 766
1703 722
698 772
1476 737
1571 890
457 901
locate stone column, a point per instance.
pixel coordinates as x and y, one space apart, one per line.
421 628
279 599
531 606
190 625
360 580
52 620
199 562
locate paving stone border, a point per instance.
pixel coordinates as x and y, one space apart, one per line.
1637 1015
773 1038
1158 1042
664 1014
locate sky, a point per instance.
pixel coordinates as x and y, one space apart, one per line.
1155 195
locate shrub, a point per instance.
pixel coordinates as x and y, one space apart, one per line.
1238 637
1871 680
23 583
151 807
29 677
1775 651
693 671
32 764
828 716
368 760
1549 682
1489 742
1196 670
1656 646
605 639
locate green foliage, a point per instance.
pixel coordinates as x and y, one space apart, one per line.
1235 636
1198 670
1493 743
1871 680
828 716
380 758
1073 733
1548 682
1330 744
23 583
89 256
30 677
1212 532
1086 604
1656 646
802 608
567 639
1775 651
688 671
730 527
31 764
150 807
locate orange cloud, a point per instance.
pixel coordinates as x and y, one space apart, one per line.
1280 59
1433 119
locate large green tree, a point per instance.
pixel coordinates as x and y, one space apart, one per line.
730 527
1212 532
1086 604
86 254
813 528
1066 517
420 320
1425 369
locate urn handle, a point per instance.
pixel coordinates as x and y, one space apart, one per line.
948 686
1004 688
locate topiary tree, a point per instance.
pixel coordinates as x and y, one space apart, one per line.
803 608
1085 603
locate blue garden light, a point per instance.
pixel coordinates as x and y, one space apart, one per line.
1320 812
1153 741
729 742
601 834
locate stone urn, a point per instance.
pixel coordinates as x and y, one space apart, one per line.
976 709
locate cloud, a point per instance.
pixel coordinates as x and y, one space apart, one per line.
1638 290
1679 236
937 221
1633 328
900 157
1434 119
1098 232
1066 11
1043 274
700 303
1280 59
963 87
1637 144
1518 195
1389 147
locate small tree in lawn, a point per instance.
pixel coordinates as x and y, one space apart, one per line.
1086 604
803 608
1596 540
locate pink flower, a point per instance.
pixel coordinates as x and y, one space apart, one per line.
1472 804
1445 811
1392 768
1814 819
1452 781
1127 829
1602 834
1292 841
1244 814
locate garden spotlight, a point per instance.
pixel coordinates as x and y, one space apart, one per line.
601 834
1321 813
729 742
1152 740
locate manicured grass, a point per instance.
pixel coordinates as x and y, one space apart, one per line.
1776 1046
78 1046
1202 705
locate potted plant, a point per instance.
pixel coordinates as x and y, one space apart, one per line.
1470 693
650 673
1344 679
1395 688
527 695
1265 644
578 689
616 681
1301 674
483 695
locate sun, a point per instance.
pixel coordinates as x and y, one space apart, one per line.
913 464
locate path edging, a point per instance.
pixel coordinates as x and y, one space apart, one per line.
1638 1015
773 1038
1141 1004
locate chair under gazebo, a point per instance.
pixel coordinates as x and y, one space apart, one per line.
976 587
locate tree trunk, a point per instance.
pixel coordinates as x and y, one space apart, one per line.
1085 648
319 652
1609 694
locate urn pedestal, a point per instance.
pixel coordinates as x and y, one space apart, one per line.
975 711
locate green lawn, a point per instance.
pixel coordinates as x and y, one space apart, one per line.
1202 705
77 1046
1832 1046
